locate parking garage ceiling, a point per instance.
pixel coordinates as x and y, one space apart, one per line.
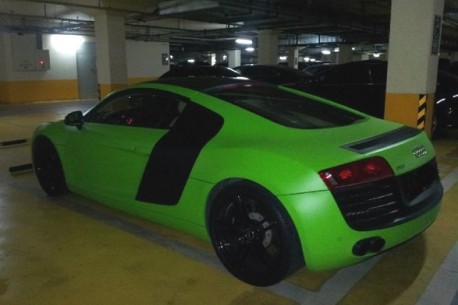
211 25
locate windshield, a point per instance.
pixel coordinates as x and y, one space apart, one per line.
284 107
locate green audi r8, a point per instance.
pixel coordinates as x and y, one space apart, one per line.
274 178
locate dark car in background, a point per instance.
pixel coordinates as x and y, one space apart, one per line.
362 86
274 74
199 70
315 68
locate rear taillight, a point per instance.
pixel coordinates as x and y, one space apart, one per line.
361 171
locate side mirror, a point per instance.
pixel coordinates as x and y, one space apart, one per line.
74 118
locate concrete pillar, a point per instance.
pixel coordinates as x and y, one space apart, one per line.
327 56
212 58
5 57
345 54
413 61
221 57
293 57
111 52
453 57
234 58
267 47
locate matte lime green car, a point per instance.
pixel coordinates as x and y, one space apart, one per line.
274 178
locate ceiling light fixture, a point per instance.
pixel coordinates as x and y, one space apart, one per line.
243 41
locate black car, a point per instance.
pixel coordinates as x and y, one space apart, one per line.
362 86
315 68
198 70
277 75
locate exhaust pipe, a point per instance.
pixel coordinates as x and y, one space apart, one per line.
368 245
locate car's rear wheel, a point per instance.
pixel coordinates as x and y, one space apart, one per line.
48 167
253 235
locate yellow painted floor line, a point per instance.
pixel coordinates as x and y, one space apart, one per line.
340 284
73 202
443 288
330 293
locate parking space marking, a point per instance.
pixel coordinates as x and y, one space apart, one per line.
341 283
73 203
443 289
455 299
450 180
330 293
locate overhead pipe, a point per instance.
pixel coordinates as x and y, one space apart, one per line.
87 6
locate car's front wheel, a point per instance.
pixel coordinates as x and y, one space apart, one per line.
253 235
48 167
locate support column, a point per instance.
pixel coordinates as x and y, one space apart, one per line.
221 57
345 54
267 47
412 61
293 57
111 52
454 57
4 59
234 58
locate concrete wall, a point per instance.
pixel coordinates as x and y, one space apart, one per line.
144 61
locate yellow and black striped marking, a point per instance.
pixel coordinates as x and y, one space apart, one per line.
421 118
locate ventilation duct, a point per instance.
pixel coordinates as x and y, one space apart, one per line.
172 7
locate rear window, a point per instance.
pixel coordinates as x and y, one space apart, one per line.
284 107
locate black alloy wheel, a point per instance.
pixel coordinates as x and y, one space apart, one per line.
48 167
253 235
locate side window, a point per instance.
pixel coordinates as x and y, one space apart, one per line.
138 108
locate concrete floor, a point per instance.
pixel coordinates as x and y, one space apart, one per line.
74 251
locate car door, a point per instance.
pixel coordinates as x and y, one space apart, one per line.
111 150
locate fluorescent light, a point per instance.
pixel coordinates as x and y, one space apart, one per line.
376 55
191 61
283 57
243 41
249 49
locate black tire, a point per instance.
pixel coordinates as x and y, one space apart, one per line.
48 167
253 235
